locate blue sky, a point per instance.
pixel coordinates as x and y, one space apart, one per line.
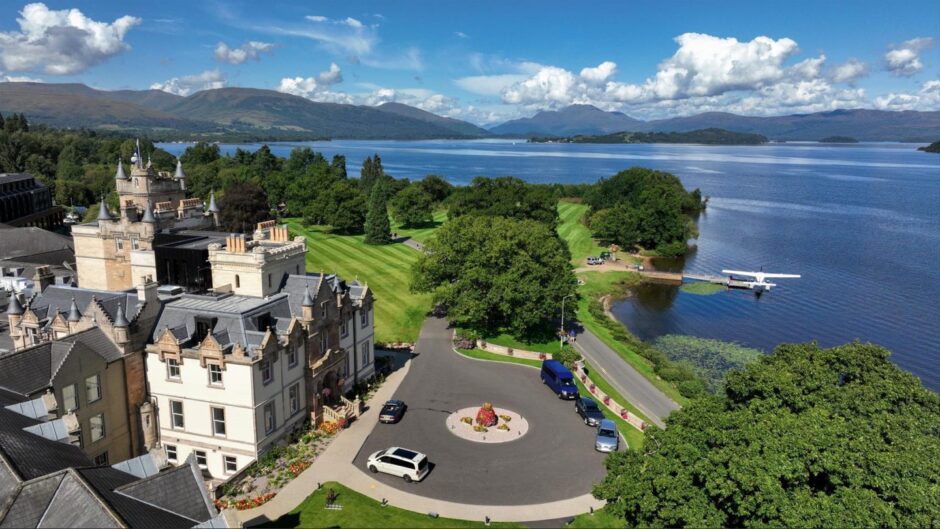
491 61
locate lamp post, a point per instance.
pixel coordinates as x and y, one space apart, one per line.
561 339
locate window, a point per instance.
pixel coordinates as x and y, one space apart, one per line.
364 317
135 243
269 280
203 327
323 310
69 398
201 458
231 464
270 420
101 459
176 414
218 421
97 427
171 453
344 327
215 374
294 398
323 341
292 356
172 369
266 372
238 281
119 244
93 388
365 353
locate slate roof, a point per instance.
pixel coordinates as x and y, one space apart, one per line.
31 370
179 489
31 456
21 243
59 297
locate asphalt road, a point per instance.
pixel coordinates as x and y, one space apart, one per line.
625 379
555 460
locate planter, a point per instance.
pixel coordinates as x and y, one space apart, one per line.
542 356
607 400
624 414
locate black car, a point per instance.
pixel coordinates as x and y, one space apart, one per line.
589 411
392 412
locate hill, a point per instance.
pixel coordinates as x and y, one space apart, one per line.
460 127
246 112
702 137
933 147
864 125
569 121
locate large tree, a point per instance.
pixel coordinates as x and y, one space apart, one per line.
378 229
412 206
505 197
496 273
243 206
436 187
806 437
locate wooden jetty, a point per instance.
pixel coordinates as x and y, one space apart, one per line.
675 278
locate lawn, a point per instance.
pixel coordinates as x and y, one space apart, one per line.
576 234
634 437
423 233
387 270
362 511
597 284
600 520
507 340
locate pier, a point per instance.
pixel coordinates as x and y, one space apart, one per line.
675 278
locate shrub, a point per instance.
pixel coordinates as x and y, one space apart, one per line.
567 356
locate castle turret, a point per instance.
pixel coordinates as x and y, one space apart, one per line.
179 175
148 215
120 175
214 209
103 213
121 334
14 317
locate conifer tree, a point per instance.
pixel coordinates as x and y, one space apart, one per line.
378 228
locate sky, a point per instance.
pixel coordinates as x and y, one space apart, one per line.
488 62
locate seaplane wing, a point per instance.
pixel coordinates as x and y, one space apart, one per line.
743 273
783 276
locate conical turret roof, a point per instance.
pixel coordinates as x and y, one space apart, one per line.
148 215
103 213
179 170
213 207
119 319
74 313
308 300
120 175
14 308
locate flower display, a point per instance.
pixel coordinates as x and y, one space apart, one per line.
505 418
486 416
503 426
466 420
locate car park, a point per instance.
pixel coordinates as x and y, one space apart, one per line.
607 438
409 465
589 411
557 377
392 412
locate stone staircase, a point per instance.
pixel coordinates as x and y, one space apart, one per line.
347 409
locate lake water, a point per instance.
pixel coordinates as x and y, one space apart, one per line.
861 223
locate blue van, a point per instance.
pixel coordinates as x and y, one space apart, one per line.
556 376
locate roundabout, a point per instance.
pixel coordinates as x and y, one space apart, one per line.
507 425
553 460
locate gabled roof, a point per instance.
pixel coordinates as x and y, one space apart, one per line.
31 456
179 489
59 297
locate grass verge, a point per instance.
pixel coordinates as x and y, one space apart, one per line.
362 511
597 284
386 269
422 233
601 519
633 436
577 235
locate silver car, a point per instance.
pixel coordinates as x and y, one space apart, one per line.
608 439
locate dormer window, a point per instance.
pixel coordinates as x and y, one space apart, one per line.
263 321
203 327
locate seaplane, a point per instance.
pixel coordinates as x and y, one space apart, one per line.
757 281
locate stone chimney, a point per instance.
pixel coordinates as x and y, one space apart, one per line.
235 243
147 290
43 277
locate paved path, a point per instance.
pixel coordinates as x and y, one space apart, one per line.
632 385
336 462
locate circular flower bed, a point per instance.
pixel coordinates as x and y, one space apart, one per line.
487 424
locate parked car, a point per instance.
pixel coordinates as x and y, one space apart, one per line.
594 261
392 412
607 439
556 376
605 256
588 410
407 464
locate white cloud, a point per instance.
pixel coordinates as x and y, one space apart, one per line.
61 42
316 18
315 88
848 71
249 50
410 59
489 85
188 84
461 34
352 22
601 73
904 59
339 36
927 98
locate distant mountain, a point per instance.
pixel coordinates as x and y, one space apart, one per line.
864 125
460 127
569 121
246 111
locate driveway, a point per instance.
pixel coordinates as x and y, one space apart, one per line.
555 460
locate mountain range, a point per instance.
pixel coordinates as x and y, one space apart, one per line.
861 124
252 112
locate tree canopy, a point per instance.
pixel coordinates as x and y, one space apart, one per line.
643 207
412 206
377 227
806 437
496 273
243 205
505 197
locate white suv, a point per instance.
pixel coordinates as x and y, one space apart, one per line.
408 464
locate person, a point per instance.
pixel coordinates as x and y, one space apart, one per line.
331 497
